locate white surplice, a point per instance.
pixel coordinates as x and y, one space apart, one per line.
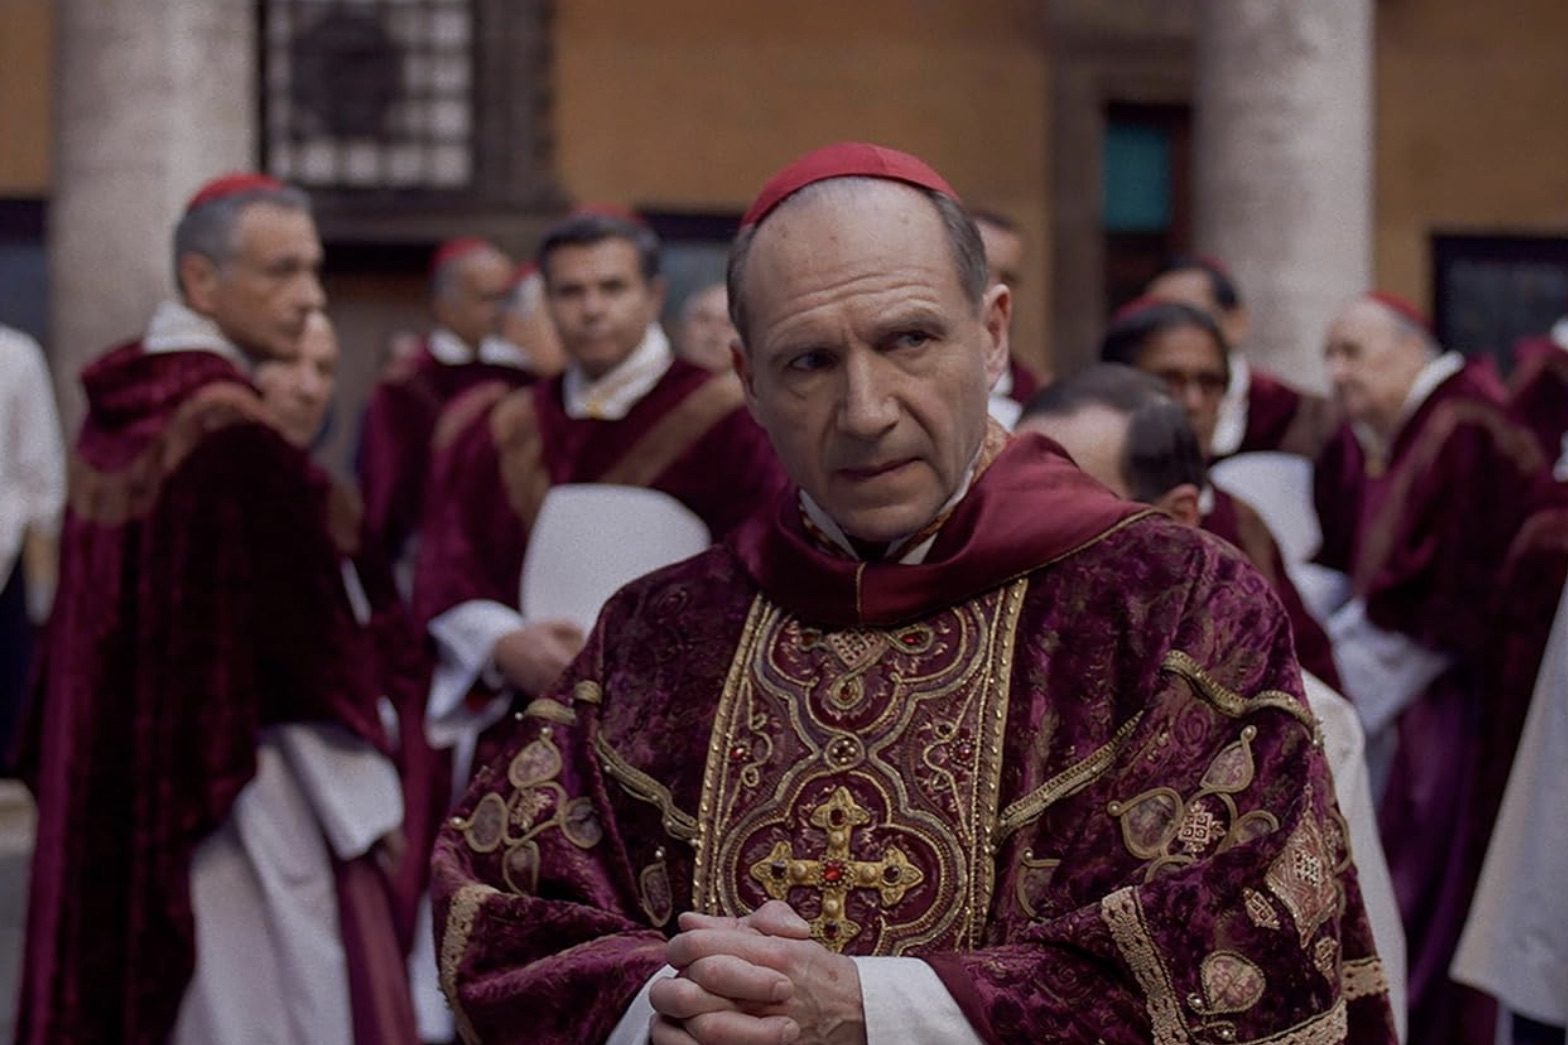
1515 943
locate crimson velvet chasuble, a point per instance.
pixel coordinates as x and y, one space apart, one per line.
1066 761
201 600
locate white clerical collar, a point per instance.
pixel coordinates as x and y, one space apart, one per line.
1560 333
1231 426
1427 381
612 396
913 556
175 327
450 350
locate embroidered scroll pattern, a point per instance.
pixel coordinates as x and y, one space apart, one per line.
536 803
1224 976
907 723
1305 875
1169 832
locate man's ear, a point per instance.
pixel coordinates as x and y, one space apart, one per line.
199 280
996 315
659 288
1181 503
748 377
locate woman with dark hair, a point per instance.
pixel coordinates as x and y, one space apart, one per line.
1184 348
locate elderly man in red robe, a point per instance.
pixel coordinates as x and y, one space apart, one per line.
1259 411
205 695
470 282
1420 494
951 745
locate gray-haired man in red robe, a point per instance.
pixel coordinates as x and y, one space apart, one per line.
1420 494
951 745
206 694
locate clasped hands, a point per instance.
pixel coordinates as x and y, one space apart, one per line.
756 980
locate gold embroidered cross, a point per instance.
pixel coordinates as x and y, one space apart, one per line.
836 873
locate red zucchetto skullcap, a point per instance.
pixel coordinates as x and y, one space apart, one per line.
1402 307
610 210
1141 303
844 160
456 250
229 185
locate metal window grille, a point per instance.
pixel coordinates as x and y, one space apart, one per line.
369 94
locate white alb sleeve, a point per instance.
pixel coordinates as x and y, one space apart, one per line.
906 1003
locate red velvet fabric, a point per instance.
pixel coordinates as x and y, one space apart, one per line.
200 600
1538 393
473 542
546 910
1424 537
1285 419
394 442
1033 505
1025 381
1237 522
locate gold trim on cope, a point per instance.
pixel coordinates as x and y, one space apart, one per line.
460 916
1227 700
644 788
1066 783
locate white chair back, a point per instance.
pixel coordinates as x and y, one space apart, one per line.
1279 486
591 539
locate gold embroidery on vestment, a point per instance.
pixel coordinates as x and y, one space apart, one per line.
837 872
1122 913
916 743
1259 910
460 916
1227 700
517 819
1158 819
1325 958
1231 983
1302 875
550 711
644 788
1363 977
1031 879
1066 783
654 892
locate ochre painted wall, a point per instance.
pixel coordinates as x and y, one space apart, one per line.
691 104
1472 127
26 69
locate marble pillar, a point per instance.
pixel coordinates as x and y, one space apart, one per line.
152 97
1284 165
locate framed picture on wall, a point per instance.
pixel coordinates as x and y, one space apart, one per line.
1489 291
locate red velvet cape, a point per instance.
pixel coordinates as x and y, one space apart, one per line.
1236 521
497 454
200 600
557 881
394 441
1282 418
1424 537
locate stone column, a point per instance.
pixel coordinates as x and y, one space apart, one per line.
1284 165
152 97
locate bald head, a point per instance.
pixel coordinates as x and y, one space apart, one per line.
1374 355
965 249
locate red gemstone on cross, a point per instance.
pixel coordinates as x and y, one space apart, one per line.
832 872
